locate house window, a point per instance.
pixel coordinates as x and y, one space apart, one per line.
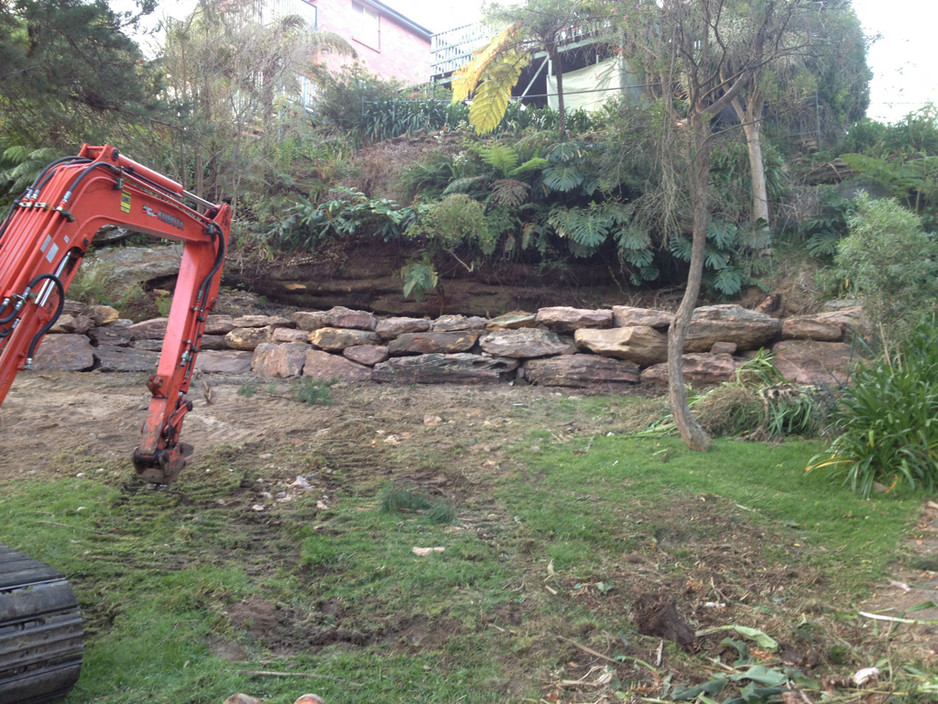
367 29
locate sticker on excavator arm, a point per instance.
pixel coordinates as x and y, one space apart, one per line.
125 201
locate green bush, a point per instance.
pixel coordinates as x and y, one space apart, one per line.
890 263
887 421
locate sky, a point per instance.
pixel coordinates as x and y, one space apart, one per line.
903 57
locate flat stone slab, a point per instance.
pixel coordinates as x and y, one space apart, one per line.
580 371
462 368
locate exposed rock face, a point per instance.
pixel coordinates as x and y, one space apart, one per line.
813 362
702 369
433 342
566 319
136 265
580 371
444 369
525 343
640 343
338 339
730 323
329 367
829 326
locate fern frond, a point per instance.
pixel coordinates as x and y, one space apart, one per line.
499 156
467 77
508 191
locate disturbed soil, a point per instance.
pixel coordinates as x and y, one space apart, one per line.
48 416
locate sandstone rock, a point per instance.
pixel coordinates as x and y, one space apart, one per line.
111 335
829 326
433 342
126 359
580 371
309 320
247 339
342 317
71 307
567 319
330 367
262 321
701 369
730 323
289 335
219 324
152 345
512 321
103 315
462 368
338 339
284 360
213 342
369 355
242 699
525 343
812 362
455 323
71 353
641 344
627 316
723 348
154 329
389 328
77 324
224 362
136 265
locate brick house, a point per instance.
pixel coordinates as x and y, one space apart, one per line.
387 43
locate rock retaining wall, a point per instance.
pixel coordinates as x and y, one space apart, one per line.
557 346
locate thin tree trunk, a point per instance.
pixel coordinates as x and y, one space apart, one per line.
750 116
691 433
554 56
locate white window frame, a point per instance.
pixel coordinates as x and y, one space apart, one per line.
368 30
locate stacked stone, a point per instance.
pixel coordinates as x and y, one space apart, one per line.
556 346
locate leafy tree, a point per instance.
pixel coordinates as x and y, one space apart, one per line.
226 72
538 25
697 68
70 73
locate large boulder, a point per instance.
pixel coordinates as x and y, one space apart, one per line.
71 353
389 328
730 323
224 362
812 362
342 317
459 368
567 319
331 367
580 371
433 342
640 343
112 358
284 360
627 316
337 339
699 369
525 343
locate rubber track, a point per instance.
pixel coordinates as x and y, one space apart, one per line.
40 631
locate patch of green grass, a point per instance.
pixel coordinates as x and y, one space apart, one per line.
556 542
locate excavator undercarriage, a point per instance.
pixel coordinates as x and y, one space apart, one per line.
42 243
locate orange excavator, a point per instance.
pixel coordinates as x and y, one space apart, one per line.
42 243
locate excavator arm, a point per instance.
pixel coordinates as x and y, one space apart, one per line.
47 234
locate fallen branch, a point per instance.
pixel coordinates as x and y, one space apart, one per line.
896 619
597 654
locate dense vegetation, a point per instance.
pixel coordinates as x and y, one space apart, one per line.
541 187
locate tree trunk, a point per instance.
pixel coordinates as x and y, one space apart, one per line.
691 433
554 56
750 116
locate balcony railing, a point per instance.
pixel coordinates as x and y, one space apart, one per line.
453 48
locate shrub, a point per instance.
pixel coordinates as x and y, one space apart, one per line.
887 422
890 264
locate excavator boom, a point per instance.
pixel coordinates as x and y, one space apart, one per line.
47 234
42 243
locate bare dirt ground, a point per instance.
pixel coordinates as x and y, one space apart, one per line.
50 415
